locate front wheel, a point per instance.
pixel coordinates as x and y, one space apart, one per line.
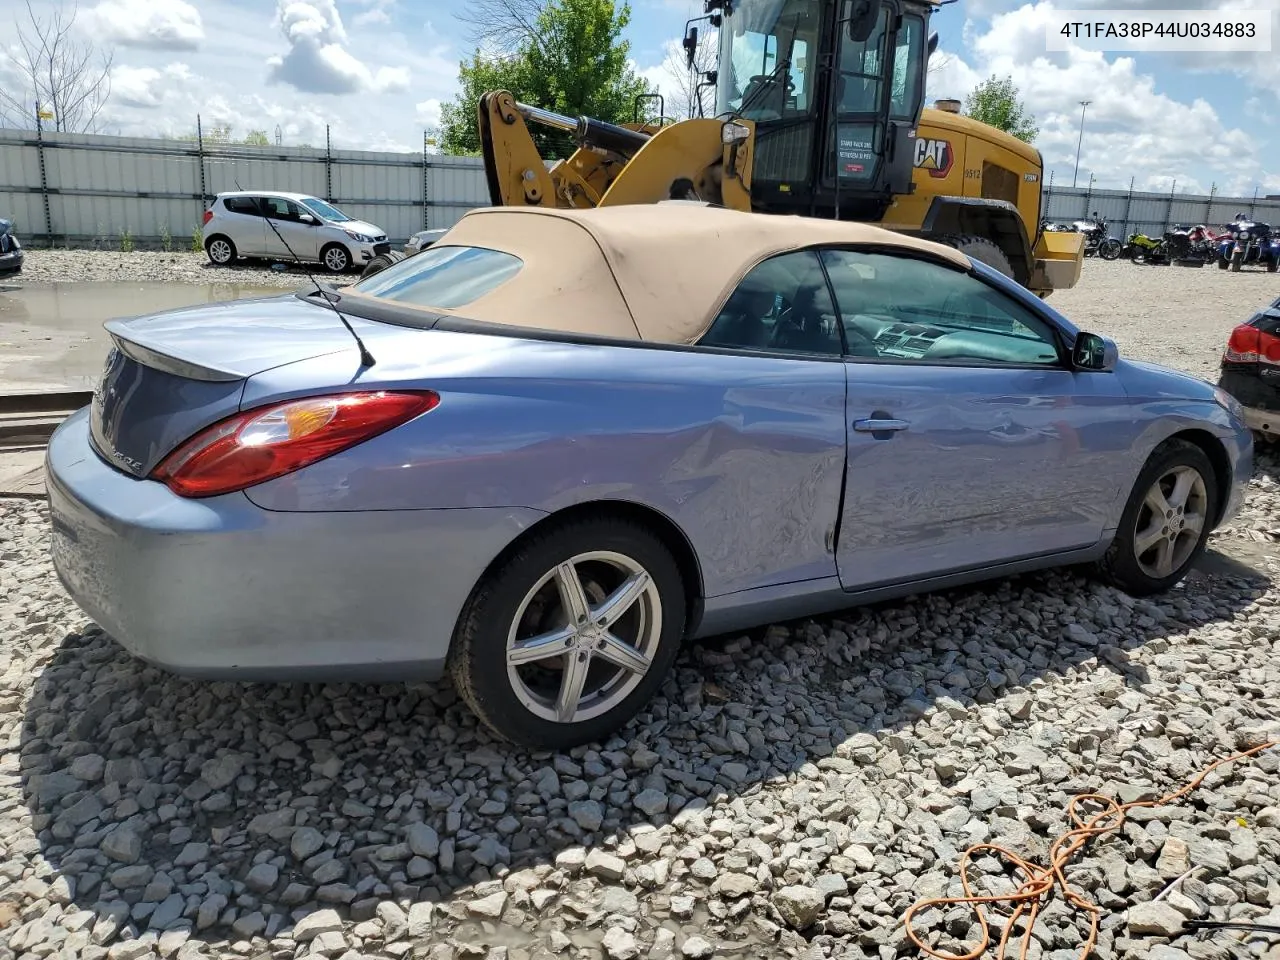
336 258
1109 249
1237 261
381 262
1166 522
569 637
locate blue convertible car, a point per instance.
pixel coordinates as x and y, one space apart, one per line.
540 454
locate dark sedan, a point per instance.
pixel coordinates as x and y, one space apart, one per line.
10 249
1250 369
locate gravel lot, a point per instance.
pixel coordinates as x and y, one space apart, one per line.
50 266
791 793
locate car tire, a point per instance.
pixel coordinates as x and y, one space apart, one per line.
523 598
1151 553
336 258
381 262
977 248
220 250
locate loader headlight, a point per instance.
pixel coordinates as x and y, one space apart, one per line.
734 133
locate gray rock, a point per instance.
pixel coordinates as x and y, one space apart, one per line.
423 840
697 948
262 877
1157 918
249 925
489 907
88 767
799 906
619 945
605 865
305 842
122 845
651 802
191 854
220 772
314 924
587 814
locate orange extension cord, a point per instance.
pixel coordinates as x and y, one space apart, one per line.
1029 898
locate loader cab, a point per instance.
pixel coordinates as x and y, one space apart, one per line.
835 88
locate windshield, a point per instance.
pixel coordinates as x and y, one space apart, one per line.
324 211
768 50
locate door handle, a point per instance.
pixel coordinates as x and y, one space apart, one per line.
880 426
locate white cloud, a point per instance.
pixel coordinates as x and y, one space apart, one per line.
318 60
156 24
1131 128
147 87
428 112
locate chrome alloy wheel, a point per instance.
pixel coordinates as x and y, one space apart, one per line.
584 636
220 251
336 259
1170 522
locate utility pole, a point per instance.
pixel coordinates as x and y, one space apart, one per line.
1084 105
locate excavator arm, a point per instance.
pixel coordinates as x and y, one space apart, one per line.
698 159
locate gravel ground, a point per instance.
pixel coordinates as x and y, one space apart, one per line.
790 793
49 266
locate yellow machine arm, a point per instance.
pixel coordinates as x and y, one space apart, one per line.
696 159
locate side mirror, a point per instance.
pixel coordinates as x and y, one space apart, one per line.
862 20
690 46
1094 352
308 219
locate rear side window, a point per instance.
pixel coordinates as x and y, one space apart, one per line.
241 205
445 277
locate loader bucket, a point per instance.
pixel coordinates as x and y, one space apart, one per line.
1059 256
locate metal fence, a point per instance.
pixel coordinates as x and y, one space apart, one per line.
81 189
1133 211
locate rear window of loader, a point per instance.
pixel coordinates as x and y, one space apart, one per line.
444 277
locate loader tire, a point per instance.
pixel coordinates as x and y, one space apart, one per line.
381 262
978 248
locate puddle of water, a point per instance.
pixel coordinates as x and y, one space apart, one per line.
51 335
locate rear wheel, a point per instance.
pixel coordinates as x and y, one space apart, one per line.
220 249
978 248
336 258
381 262
1166 522
571 635
1223 263
1273 266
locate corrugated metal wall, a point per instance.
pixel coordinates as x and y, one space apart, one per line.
95 188
1153 213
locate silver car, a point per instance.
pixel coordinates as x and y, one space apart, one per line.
240 224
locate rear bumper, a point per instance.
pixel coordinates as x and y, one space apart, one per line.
11 262
221 588
1259 395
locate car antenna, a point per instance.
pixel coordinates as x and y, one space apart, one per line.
366 358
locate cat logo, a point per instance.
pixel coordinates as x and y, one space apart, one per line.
936 156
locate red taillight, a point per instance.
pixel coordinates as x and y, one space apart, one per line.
262 444
208 215
1248 344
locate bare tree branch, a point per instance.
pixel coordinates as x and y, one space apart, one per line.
502 24
679 89
71 78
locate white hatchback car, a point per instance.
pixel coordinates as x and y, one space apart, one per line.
236 225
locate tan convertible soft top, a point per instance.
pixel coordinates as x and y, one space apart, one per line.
656 272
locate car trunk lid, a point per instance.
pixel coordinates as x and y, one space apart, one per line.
171 374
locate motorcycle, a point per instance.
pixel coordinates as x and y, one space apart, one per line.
1189 246
1248 241
1097 239
1144 249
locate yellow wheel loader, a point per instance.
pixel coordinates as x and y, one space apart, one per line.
819 112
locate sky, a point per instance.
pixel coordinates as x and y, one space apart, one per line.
377 71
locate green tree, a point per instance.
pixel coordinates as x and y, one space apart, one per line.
570 58
256 138
996 103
